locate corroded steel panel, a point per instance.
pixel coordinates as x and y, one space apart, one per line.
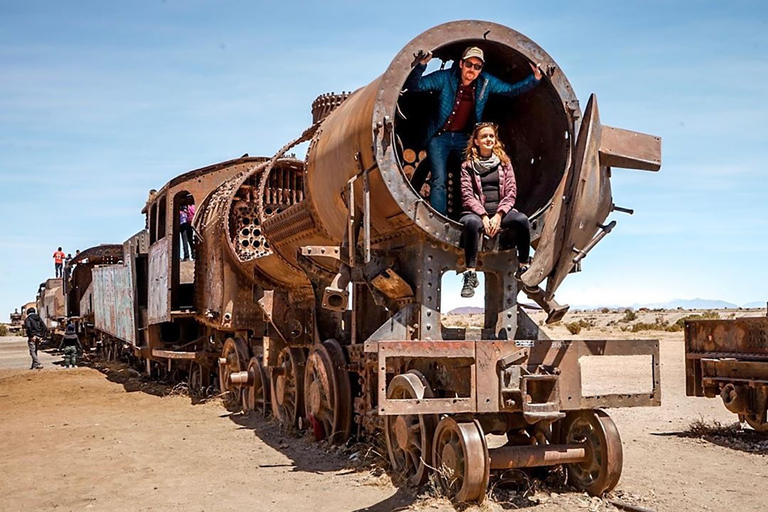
742 337
159 289
113 301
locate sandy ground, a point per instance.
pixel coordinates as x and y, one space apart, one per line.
85 440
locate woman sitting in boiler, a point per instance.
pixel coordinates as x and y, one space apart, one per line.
488 192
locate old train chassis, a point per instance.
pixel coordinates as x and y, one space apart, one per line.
310 388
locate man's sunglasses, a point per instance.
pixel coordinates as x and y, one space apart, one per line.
471 65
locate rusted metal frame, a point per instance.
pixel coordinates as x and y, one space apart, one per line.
727 368
420 349
509 457
630 150
742 356
352 206
171 354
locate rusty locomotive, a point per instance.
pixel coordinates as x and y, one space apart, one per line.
314 292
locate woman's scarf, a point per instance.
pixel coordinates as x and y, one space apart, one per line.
483 166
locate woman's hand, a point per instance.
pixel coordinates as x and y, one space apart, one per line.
487 225
495 225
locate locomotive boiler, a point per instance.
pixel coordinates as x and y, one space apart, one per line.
314 292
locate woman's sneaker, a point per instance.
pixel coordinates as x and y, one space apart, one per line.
470 283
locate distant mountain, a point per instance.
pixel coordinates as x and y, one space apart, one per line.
466 310
689 304
755 304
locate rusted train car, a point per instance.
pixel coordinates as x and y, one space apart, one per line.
49 304
314 291
729 358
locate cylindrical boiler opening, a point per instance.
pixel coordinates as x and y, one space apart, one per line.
533 127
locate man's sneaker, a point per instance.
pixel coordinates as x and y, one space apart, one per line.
470 283
38 367
520 271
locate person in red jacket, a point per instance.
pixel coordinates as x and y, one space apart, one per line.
488 193
58 259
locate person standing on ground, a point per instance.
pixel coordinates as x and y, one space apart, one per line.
70 344
463 94
35 332
58 259
488 194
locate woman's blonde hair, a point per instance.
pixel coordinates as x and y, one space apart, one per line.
472 152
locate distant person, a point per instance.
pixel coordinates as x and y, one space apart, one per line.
463 94
186 214
36 330
70 345
58 260
488 194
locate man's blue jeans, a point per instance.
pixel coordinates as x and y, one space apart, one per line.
439 149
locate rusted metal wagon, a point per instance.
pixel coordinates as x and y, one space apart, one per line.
315 288
729 358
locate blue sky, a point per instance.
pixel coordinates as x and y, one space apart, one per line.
102 101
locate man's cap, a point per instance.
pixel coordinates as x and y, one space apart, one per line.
71 328
30 311
473 51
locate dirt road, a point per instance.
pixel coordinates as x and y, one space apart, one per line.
79 440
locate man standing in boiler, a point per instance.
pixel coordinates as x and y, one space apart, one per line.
463 94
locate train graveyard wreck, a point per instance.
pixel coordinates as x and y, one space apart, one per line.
314 288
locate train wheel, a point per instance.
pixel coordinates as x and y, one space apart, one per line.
255 395
461 462
757 422
195 379
409 436
342 412
234 358
602 470
327 392
287 386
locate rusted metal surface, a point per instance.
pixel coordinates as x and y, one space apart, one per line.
543 379
159 282
114 293
509 457
729 358
50 304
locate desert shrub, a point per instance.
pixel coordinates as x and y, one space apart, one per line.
707 315
573 327
629 315
3 330
605 310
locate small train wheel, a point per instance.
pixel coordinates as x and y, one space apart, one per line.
342 411
461 462
287 386
757 421
602 469
235 353
409 436
255 395
195 380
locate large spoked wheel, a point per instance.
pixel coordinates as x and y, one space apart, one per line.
409 436
256 392
287 385
460 456
602 469
327 392
234 358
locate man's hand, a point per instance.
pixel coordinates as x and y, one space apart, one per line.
495 225
421 57
536 71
